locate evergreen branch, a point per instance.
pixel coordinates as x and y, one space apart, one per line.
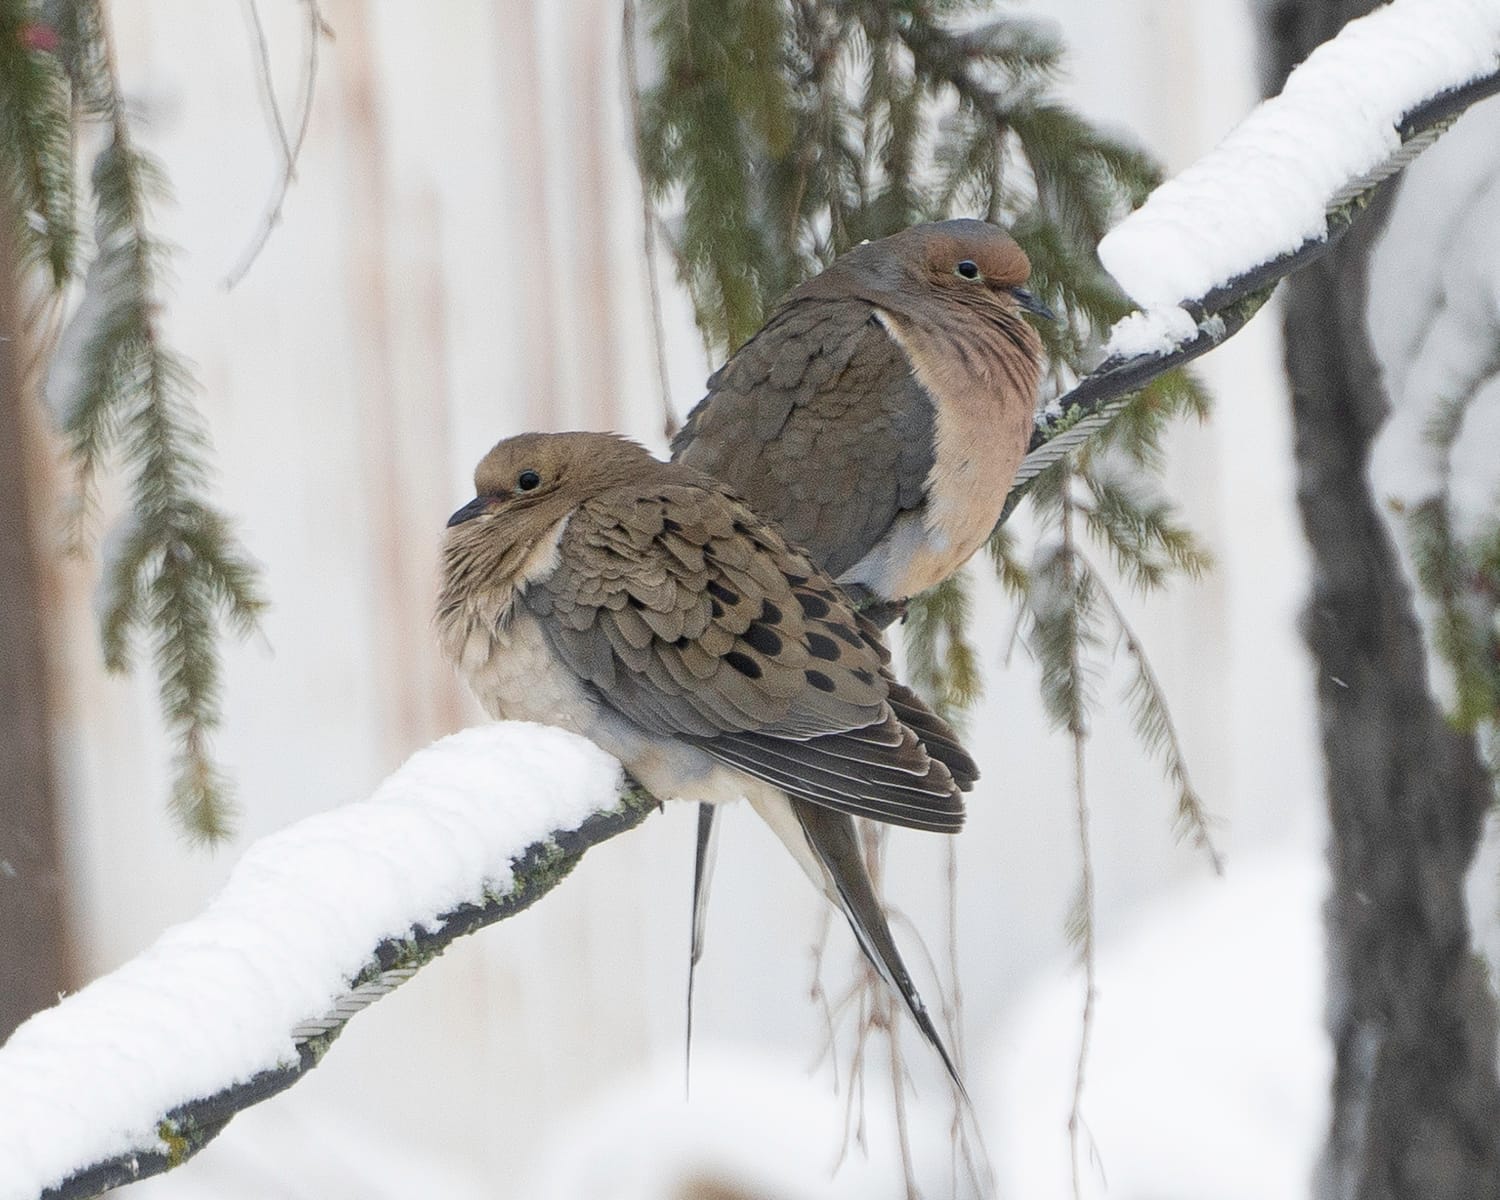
1009 570
179 570
1064 609
1158 732
940 659
1139 528
1138 427
648 218
1463 582
1097 400
724 103
36 140
187 1128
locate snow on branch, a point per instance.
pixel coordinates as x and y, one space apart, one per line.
138 1071
1208 246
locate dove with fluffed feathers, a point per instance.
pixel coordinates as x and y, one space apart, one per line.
646 607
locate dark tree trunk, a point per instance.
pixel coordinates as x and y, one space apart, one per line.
33 952
1416 1104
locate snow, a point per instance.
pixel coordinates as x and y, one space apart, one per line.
1155 333
214 1001
1434 320
756 1124
1265 189
1209 1071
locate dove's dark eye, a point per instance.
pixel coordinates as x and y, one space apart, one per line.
528 481
969 269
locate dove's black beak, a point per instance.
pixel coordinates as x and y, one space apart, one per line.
469 511
1032 305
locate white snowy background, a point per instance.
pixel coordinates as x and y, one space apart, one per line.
460 261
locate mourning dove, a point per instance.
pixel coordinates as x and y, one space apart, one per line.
880 414
646 607
879 417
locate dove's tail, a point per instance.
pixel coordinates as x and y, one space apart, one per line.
835 843
703 870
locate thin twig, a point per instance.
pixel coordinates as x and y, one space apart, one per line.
884 1005
648 221
1078 732
291 150
819 995
898 1097
267 83
975 1153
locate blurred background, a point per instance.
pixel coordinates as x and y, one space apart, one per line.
460 259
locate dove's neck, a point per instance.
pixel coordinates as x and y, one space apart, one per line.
482 578
982 375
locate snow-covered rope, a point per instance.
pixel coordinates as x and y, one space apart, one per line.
138 1071
1207 248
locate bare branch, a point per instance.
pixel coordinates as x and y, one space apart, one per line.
291 149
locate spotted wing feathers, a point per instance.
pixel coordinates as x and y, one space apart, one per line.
696 620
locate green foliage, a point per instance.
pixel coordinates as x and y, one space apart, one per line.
942 661
1461 577
176 572
36 141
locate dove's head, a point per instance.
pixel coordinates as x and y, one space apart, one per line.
537 472
968 262
525 489
934 267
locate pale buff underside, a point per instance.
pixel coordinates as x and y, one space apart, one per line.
503 653
982 426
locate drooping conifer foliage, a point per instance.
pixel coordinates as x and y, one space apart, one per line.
175 571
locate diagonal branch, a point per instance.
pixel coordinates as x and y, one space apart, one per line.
1222 312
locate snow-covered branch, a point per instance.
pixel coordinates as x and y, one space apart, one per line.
1208 246
138 1071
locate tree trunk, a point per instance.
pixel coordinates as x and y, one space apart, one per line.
33 951
1416 1104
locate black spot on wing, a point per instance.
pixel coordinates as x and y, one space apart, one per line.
819 680
823 647
747 666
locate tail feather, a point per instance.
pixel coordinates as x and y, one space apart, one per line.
834 841
703 871
936 735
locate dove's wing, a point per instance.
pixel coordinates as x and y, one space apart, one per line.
818 422
695 619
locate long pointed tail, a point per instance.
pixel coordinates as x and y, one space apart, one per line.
835 842
703 871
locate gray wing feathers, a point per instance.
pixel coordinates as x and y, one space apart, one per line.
818 422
